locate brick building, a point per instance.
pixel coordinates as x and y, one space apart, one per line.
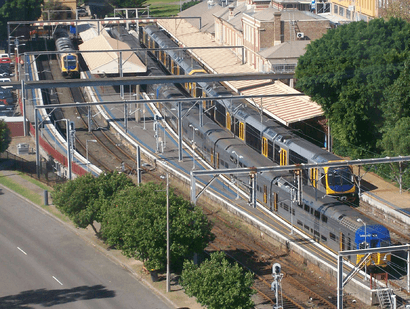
259 27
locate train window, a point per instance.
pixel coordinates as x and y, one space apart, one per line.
253 137
276 153
242 131
323 238
324 218
311 211
317 214
257 188
307 208
232 159
332 236
270 150
220 113
222 162
285 206
295 158
373 243
299 222
306 227
316 233
226 165
349 243
234 127
300 205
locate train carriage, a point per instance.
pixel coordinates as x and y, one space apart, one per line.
266 136
223 144
68 61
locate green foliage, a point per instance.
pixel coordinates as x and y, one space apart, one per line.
5 136
187 5
18 10
218 284
127 3
82 198
347 72
135 222
51 8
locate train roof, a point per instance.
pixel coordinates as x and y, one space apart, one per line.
286 110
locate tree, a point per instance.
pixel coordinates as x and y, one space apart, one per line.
82 198
55 10
5 136
218 284
396 9
13 10
136 223
347 71
127 3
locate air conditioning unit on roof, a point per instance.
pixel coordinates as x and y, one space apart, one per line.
300 35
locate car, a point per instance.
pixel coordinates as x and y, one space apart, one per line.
5 60
7 95
5 80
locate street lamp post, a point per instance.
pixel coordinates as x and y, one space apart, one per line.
237 166
365 244
86 147
193 145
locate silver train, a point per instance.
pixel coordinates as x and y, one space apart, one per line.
325 218
266 136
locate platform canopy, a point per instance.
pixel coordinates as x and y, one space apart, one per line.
107 62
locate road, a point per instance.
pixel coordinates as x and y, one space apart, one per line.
45 264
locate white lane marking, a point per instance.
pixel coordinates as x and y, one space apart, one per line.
57 280
21 250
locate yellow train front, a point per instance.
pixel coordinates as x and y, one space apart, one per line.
69 65
68 61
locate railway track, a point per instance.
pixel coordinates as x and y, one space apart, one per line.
259 258
109 155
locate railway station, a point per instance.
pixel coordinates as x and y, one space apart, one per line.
121 123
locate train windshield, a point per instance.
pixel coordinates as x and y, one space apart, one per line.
339 176
70 62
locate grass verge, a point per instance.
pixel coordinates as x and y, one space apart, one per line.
34 197
36 182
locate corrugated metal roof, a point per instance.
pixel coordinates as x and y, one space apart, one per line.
285 109
107 62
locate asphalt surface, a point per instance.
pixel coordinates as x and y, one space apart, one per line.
45 264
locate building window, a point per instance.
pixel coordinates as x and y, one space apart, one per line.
348 15
342 11
335 9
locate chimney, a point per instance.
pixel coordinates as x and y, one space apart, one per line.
276 28
231 14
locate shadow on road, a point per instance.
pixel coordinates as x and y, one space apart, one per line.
49 298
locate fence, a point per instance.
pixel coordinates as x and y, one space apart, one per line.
47 168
